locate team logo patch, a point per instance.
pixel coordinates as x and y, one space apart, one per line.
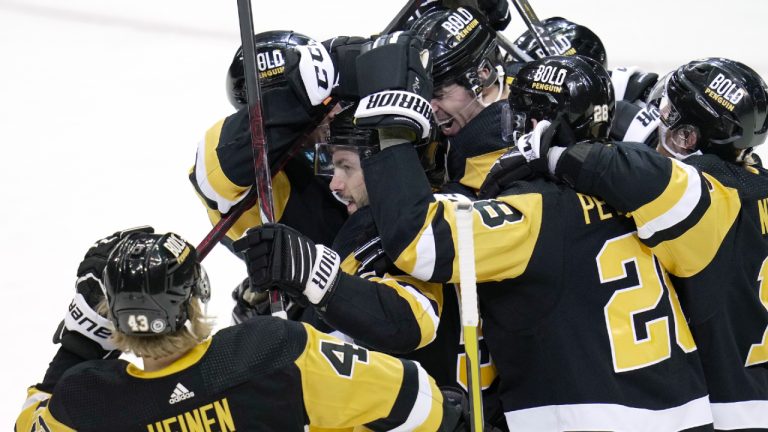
157 325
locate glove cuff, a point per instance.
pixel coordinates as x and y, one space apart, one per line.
324 276
409 107
82 319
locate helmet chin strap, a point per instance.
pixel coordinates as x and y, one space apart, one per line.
500 82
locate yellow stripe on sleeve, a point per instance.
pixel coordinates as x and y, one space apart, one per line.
691 252
345 386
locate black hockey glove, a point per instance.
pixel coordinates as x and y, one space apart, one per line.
373 259
496 12
543 146
248 303
456 416
344 51
509 168
393 75
280 257
85 332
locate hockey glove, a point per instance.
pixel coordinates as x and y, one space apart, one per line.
344 51
85 332
393 75
509 168
456 415
543 146
280 257
310 72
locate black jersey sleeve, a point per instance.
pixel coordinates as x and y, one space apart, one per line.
419 231
680 212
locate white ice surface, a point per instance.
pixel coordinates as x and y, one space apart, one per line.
102 104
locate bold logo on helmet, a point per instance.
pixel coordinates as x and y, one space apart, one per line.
562 45
177 247
725 92
270 63
549 79
460 23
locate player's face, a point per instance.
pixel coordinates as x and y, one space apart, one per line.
454 107
348 183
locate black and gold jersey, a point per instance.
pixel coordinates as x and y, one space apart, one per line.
223 173
707 221
476 147
580 318
383 308
266 374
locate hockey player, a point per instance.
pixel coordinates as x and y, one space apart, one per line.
363 295
705 219
469 91
266 374
296 76
583 328
634 120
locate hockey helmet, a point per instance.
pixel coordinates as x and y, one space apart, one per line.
460 43
149 279
271 47
724 102
569 38
342 133
576 88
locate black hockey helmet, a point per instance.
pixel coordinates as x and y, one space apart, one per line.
569 38
575 87
342 133
271 47
723 101
149 279
460 43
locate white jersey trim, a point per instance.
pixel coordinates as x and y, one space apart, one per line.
424 266
681 210
201 175
421 407
610 417
426 305
741 415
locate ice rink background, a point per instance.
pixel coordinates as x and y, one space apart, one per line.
102 104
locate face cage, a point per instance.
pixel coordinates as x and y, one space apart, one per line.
523 107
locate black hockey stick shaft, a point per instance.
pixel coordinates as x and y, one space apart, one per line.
227 220
263 174
401 18
534 25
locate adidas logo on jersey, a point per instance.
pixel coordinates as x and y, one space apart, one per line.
179 394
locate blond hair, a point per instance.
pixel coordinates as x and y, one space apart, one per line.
197 329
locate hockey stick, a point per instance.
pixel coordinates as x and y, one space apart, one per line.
263 182
402 17
470 316
535 26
